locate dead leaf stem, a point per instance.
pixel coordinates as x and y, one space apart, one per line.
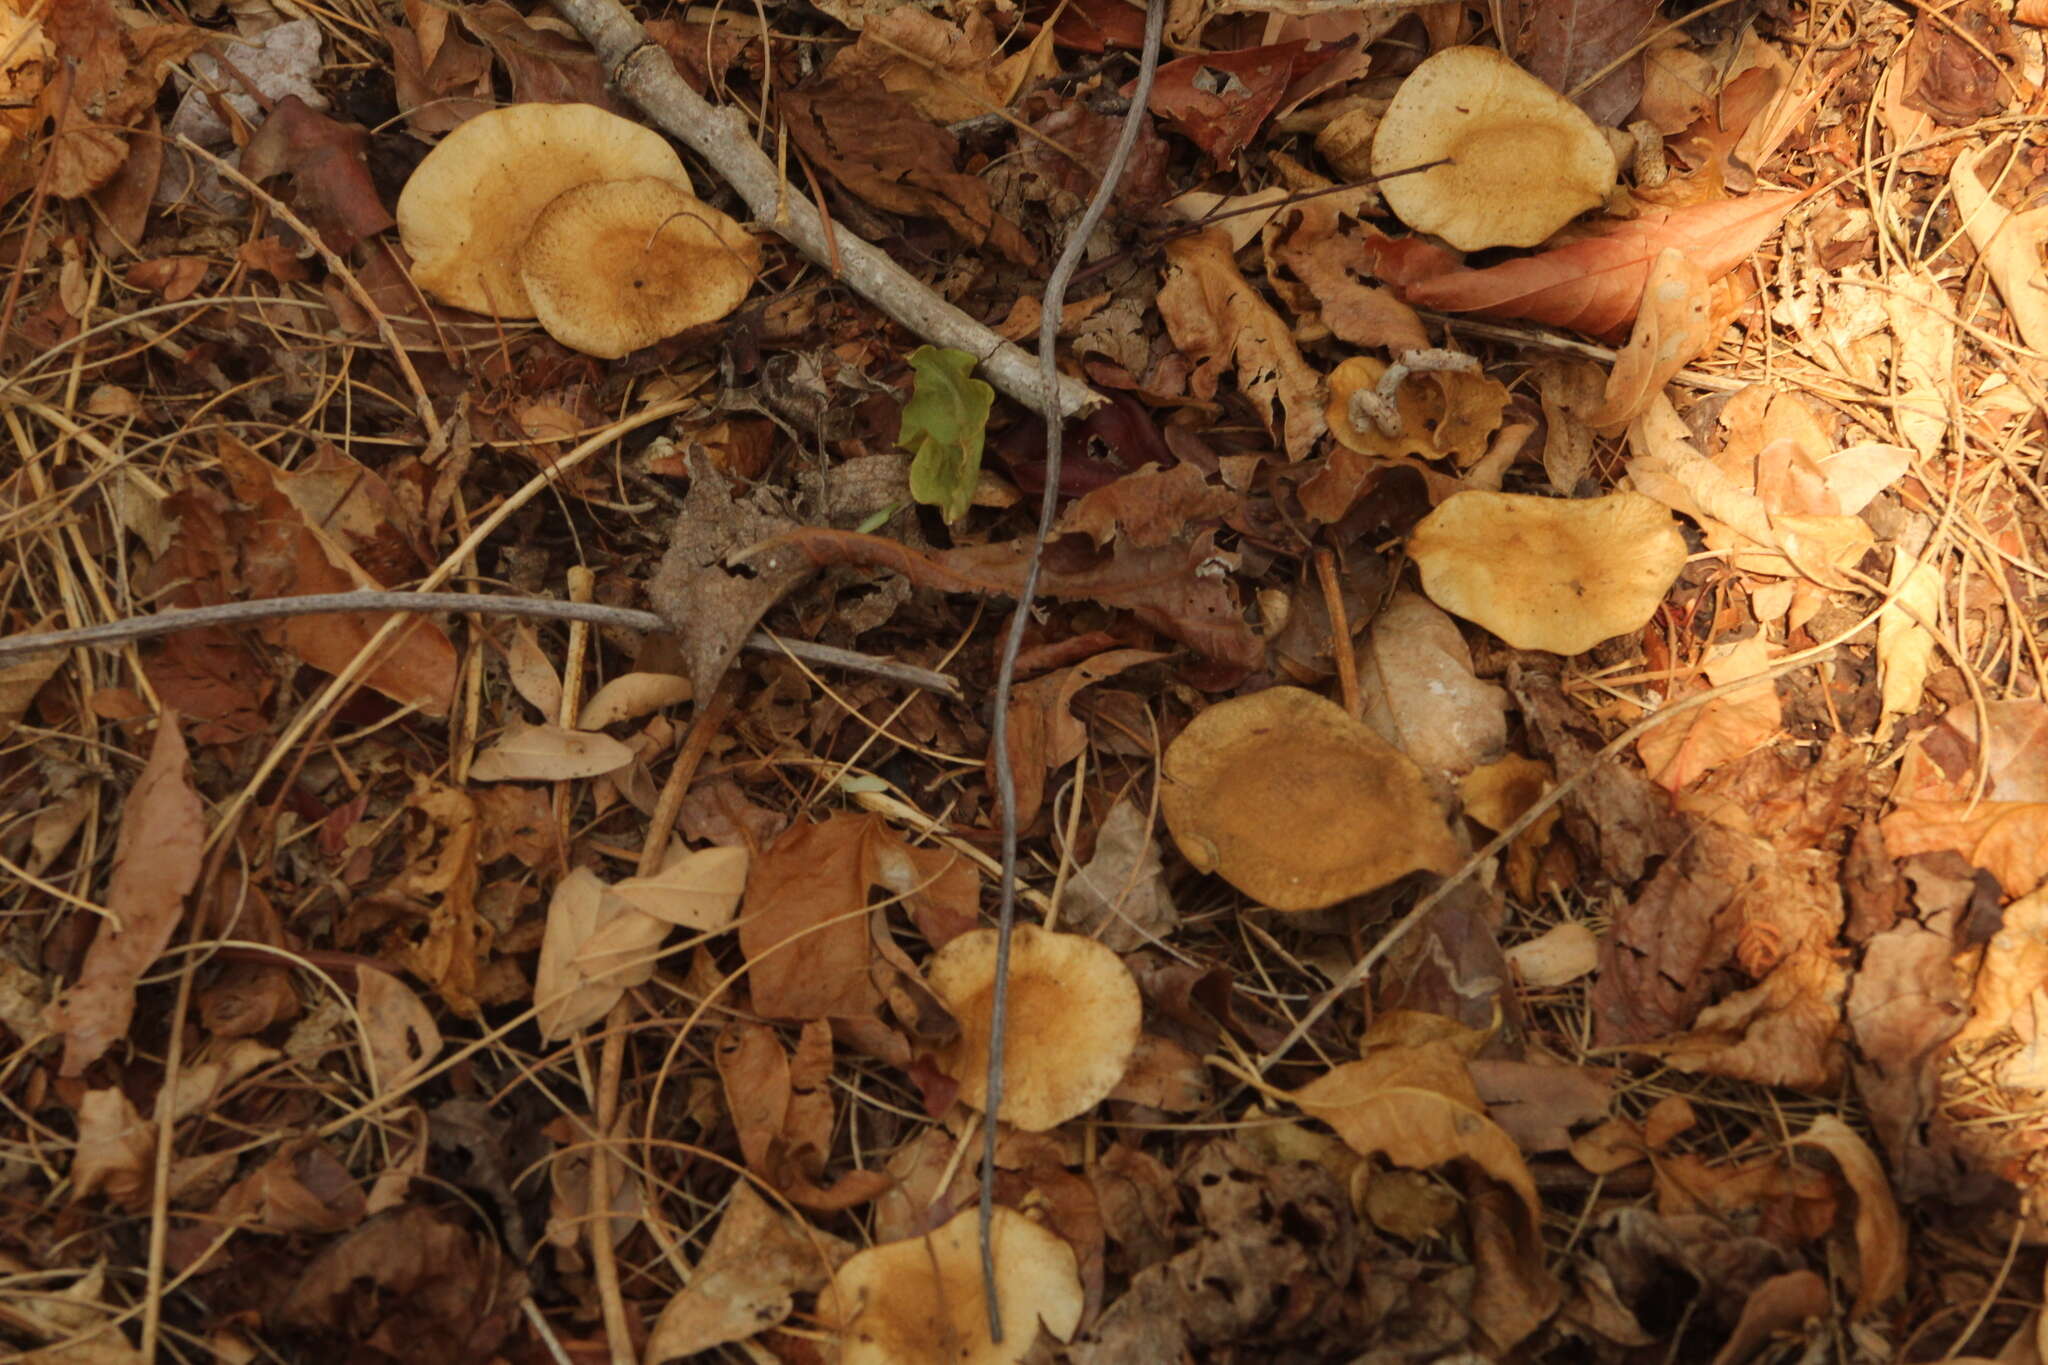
1051 306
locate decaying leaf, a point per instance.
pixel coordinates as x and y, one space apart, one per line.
549 753
156 864
1220 322
745 1282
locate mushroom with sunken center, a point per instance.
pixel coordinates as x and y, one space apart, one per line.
620 264
919 1300
1549 573
1521 159
1293 802
1074 1020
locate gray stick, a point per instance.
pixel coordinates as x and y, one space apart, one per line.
15 647
1050 308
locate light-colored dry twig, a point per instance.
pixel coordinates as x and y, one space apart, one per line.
644 74
1050 308
533 608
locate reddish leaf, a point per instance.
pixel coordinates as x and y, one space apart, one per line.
1219 99
1168 588
1595 284
1566 42
331 184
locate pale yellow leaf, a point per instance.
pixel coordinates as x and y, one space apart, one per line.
533 677
1905 649
1559 955
2010 245
594 948
548 753
1672 327
698 890
1880 1232
631 696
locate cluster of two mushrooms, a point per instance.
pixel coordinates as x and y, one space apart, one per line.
578 218
1287 797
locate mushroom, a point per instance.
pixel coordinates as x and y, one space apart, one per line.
1289 799
920 1299
469 205
1522 160
1548 573
1074 1016
619 264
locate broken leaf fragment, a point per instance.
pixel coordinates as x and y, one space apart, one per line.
1521 160
1074 1018
920 1300
944 424
1548 573
1290 800
616 265
469 206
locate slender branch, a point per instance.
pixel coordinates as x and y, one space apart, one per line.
15 647
1050 308
644 74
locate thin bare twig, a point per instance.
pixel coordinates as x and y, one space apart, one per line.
533 608
642 72
1050 308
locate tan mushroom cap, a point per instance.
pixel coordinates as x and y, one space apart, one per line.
1549 573
919 1300
1524 160
1074 1017
1291 801
620 264
469 205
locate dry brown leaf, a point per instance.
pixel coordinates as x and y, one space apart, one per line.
398 1029
1558 956
804 926
1176 589
2010 244
1419 692
1568 42
287 554
548 753
533 675
1316 241
1905 648
1120 895
694 890
1417 1107
631 696
116 1151
602 940
1694 743
1149 507
744 1283
1045 735
19 683
156 863
1674 325
1880 1233
1219 321
1786 1031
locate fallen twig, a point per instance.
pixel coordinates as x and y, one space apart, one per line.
534 608
644 74
1047 393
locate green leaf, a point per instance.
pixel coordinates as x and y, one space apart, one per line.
944 424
